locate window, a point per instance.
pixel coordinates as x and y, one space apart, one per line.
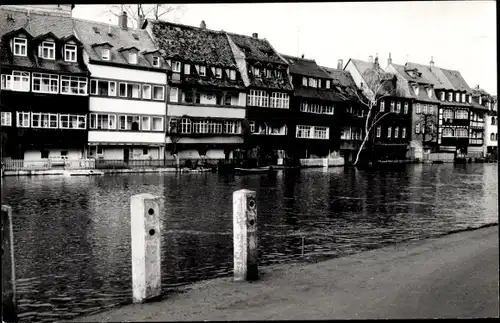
379 130
187 69
398 107
6 119
493 121
44 154
232 74
145 151
70 53
392 106
44 120
176 67
450 96
424 109
104 88
303 131
463 97
20 46
156 61
47 50
417 127
457 97
174 92
304 81
447 132
227 99
429 92
256 72
158 92
461 114
316 108
417 108
396 132
73 85
312 82
382 106
321 132
203 71
252 126
146 123
18 81
492 136
389 132
258 98
105 55
102 121
100 151
279 100
327 84
416 89
157 124
442 96
129 90
269 73
72 121
406 108
45 83
132 58
232 127
185 125
218 72
23 119
461 132
470 99
146 91
403 133
447 114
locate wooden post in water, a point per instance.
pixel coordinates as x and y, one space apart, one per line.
245 236
146 252
9 309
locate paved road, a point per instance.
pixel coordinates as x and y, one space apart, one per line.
453 276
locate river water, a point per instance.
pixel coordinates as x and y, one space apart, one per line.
72 234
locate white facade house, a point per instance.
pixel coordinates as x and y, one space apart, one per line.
127 92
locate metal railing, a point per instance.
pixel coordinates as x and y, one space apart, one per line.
20 164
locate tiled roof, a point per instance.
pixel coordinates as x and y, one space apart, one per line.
456 80
91 33
343 83
305 67
256 49
318 94
37 24
192 44
478 106
431 75
422 94
405 71
210 82
388 80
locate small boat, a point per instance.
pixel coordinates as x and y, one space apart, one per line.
255 170
82 172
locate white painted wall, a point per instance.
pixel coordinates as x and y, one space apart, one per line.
178 110
488 129
126 137
127 74
208 140
53 153
98 104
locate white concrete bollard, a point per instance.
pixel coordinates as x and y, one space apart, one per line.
146 256
245 236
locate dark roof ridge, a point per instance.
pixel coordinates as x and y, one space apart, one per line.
299 58
187 26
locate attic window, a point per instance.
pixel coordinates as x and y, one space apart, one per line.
20 45
416 89
132 58
429 92
96 30
70 53
256 72
105 54
136 37
156 61
203 71
47 50
304 81
232 74
327 84
176 67
218 72
269 73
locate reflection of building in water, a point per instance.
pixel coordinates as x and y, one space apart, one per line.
490 193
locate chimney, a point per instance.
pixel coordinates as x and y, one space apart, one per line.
255 35
376 61
340 64
203 25
389 60
122 21
302 56
431 63
477 87
370 59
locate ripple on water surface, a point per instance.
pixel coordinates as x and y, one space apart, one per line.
72 235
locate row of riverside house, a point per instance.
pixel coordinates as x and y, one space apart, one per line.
79 89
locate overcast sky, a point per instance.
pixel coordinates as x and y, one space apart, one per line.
460 35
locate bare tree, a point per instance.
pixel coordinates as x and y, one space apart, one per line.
138 12
379 85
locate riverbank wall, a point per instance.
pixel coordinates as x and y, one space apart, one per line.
106 171
392 282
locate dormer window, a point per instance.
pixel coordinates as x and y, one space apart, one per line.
187 69
442 96
429 92
105 54
203 71
416 89
70 53
470 98
327 84
450 96
463 97
232 74
156 61
132 58
218 72
20 46
176 67
268 73
256 72
312 82
457 97
47 50
304 81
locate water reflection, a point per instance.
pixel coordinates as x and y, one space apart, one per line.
72 235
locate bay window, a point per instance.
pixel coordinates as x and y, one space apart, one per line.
447 132
447 114
17 81
461 114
